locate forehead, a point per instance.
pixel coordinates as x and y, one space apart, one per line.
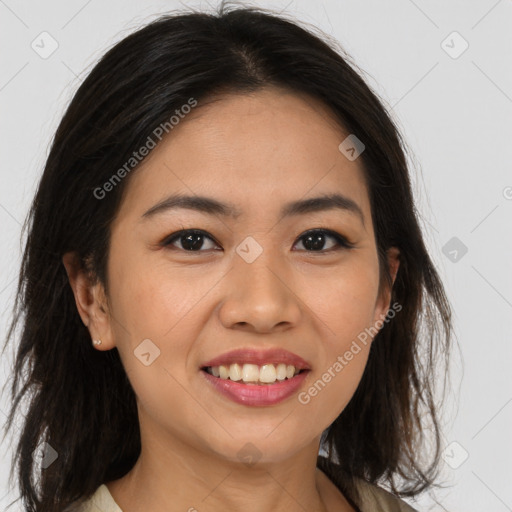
268 147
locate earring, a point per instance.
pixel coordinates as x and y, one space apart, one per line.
96 342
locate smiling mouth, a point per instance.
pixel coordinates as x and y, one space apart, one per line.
264 375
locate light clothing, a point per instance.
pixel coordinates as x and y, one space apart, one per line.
375 499
100 501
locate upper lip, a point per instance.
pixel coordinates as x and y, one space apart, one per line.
259 357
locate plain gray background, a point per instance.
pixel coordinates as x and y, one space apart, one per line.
454 109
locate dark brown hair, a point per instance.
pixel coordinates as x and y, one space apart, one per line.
137 85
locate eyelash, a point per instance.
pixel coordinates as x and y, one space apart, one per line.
342 242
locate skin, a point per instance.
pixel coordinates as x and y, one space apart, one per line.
257 152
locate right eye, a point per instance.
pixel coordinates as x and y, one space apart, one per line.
191 240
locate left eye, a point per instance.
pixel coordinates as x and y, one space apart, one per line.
192 240
315 239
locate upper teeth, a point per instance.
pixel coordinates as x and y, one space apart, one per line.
267 373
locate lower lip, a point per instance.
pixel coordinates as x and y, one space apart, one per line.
254 394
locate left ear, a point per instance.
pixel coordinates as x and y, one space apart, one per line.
384 299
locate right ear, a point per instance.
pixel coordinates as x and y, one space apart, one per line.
90 301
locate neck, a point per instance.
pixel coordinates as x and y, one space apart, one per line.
175 476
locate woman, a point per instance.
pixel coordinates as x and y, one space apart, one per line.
224 278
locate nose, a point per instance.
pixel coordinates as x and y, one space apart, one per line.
260 297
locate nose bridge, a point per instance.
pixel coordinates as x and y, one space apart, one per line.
257 269
259 292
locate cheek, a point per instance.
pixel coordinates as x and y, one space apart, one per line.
328 393
155 313
344 300
345 305
166 307
157 298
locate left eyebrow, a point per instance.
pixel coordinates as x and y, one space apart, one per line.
212 206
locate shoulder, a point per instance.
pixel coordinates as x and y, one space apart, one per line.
376 498
100 501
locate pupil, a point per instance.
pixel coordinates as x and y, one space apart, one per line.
192 241
317 241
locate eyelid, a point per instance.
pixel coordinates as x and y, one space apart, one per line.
341 239
169 239
343 242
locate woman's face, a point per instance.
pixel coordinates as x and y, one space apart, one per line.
253 281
